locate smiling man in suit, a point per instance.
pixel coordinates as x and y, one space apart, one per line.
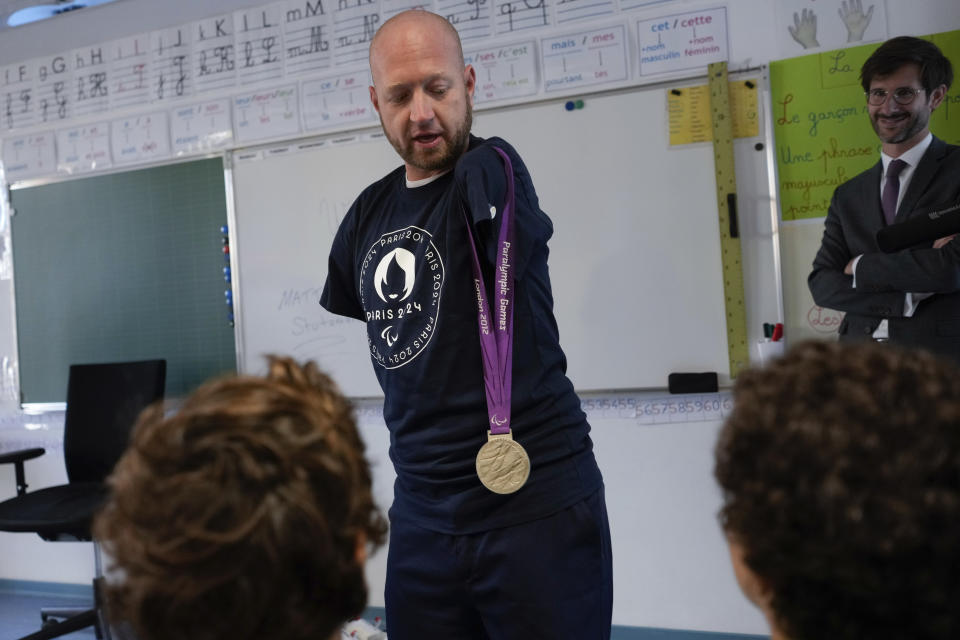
911 297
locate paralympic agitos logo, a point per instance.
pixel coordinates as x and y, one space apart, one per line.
401 281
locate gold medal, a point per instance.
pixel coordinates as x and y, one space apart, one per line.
502 463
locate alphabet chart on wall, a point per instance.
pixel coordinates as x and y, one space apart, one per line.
577 10
53 89
170 68
471 18
18 103
288 57
306 38
514 16
259 44
354 23
129 71
214 57
91 81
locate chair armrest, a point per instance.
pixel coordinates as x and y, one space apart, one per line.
17 458
21 455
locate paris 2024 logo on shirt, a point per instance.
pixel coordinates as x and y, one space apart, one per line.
400 285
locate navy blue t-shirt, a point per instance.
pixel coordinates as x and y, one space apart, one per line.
401 262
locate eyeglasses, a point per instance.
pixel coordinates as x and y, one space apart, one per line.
902 95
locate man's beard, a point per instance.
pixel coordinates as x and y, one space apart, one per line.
455 145
915 122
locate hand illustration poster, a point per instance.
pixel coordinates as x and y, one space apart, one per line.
821 25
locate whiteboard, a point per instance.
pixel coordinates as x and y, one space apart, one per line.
634 260
289 201
635 255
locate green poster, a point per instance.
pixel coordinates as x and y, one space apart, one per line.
821 126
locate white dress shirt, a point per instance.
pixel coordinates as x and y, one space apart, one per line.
912 158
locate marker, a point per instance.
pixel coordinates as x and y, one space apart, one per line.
777 332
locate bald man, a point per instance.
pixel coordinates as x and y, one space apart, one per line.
498 526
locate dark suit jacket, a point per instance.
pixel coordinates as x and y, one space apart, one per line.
851 228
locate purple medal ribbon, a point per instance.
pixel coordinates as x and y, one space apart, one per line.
496 333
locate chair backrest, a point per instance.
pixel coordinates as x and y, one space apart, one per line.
103 402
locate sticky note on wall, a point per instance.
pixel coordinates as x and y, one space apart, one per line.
688 110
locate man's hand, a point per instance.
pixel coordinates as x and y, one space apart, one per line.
804 29
853 17
940 242
849 268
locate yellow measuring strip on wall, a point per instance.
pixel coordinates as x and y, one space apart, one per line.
730 254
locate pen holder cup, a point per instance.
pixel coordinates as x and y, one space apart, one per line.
767 352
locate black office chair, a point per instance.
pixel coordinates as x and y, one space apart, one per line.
103 402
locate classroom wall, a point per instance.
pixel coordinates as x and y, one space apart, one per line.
671 568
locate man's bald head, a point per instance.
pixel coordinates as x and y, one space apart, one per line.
422 91
414 19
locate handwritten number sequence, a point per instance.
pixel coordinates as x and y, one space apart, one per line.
684 410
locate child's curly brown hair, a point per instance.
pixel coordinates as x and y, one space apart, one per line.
244 514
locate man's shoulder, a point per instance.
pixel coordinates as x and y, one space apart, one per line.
388 181
482 154
943 160
951 153
478 144
941 153
365 203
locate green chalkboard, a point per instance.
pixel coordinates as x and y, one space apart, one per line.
123 266
821 127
